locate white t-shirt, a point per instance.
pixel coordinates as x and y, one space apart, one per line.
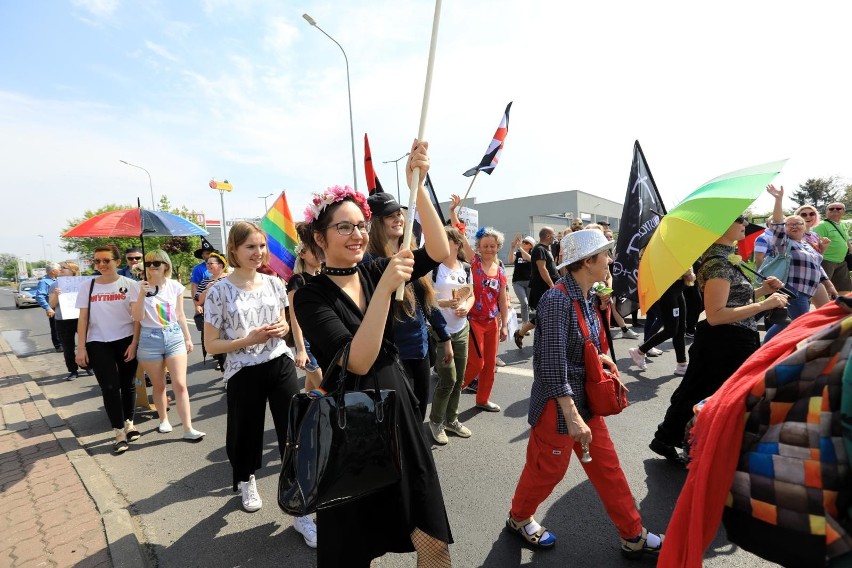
236 312
109 313
448 280
162 310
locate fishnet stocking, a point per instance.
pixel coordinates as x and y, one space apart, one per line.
431 552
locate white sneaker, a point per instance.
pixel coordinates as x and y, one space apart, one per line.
164 427
438 433
630 334
306 527
680 370
638 358
500 362
617 334
458 429
251 498
654 352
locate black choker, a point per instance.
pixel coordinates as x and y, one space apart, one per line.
338 271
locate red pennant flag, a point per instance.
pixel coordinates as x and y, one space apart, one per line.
492 155
373 184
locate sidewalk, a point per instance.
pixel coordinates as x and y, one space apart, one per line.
57 507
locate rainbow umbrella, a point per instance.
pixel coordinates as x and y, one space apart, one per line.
694 224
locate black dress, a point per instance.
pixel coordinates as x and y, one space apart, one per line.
353 534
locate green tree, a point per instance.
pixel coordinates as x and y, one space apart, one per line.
847 197
818 192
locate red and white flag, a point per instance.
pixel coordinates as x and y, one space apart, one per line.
492 155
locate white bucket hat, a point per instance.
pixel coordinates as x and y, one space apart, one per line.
582 244
530 240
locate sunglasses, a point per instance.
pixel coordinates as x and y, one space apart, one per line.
741 220
836 208
345 228
808 214
154 263
137 258
97 261
210 262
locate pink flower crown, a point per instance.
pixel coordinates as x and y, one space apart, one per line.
331 195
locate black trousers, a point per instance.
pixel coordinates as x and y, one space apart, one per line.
54 334
249 389
674 326
420 377
694 307
67 330
116 377
715 355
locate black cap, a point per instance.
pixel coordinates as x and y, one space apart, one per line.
383 204
605 223
205 247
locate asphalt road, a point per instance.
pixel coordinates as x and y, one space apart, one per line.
180 496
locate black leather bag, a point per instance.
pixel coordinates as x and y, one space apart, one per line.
340 447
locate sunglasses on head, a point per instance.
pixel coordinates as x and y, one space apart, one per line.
836 208
154 263
741 220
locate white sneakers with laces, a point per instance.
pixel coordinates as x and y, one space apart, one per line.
251 498
680 370
638 358
306 527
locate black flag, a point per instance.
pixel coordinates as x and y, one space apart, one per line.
643 208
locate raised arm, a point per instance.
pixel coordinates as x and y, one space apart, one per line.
433 230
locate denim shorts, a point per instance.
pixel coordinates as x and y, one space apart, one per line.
156 344
312 364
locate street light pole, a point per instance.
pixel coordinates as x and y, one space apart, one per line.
313 22
43 253
150 184
396 163
265 208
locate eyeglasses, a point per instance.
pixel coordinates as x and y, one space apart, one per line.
102 260
136 258
154 263
741 220
836 208
345 228
793 225
808 214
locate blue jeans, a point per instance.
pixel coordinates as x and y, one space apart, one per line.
796 307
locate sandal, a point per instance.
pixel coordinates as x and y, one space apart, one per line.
542 538
635 550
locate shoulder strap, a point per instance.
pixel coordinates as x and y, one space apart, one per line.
466 266
89 308
435 273
836 228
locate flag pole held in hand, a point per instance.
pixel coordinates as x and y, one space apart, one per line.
415 178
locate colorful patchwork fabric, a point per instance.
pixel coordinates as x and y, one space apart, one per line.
793 474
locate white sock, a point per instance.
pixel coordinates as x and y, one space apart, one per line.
653 541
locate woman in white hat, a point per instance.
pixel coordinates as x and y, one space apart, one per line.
560 418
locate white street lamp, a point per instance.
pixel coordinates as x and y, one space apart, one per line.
150 184
43 253
396 163
313 22
265 208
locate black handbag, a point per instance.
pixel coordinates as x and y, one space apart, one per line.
340 446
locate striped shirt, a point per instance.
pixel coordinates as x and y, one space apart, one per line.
805 262
558 365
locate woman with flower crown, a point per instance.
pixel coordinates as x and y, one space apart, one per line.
351 302
489 293
724 340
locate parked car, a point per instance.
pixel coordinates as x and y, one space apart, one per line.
25 295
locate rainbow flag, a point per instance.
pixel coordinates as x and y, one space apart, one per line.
281 236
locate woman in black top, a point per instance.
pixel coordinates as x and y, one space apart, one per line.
519 255
351 302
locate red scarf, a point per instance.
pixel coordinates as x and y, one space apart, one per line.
718 437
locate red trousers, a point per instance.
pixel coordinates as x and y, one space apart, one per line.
548 455
482 363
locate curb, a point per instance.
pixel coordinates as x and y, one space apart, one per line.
124 547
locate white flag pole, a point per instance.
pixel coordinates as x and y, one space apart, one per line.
415 178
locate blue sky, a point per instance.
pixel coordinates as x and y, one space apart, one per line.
248 91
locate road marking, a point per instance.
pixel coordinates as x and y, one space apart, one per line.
521 372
